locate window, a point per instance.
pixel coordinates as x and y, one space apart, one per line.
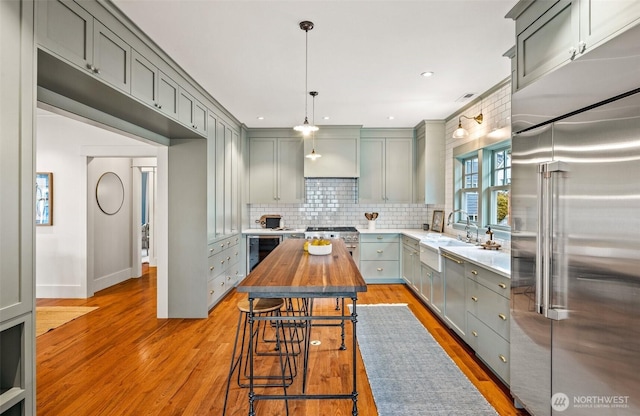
482 178
499 190
469 195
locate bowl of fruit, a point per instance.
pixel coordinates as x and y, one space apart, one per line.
319 247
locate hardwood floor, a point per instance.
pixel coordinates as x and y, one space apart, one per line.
121 360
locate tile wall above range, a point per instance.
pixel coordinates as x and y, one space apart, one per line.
334 201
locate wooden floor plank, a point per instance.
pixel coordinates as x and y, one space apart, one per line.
120 359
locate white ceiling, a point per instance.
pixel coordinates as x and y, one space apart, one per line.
365 57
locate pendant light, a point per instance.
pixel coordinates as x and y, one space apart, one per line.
305 127
313 155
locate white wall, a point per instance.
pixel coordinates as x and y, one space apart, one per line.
63 262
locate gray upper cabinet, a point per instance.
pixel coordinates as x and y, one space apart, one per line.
152 86
276 170
192 112
386 170
66 29
70 32
551 34
430 157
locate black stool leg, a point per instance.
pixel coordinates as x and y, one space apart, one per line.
233 365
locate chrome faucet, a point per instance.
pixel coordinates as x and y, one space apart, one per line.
467 228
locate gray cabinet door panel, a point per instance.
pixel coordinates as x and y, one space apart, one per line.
144 79
168 91
111 57
66 29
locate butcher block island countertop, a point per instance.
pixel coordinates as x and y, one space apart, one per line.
289 271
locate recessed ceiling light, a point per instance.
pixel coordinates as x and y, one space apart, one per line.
427 74
326 118
260 118
391 117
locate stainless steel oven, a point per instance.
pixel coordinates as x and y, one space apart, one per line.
259 247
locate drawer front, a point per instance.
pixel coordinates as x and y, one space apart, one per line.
379 251
379 238
489 307
411 242
492 348
380 269
499 284
216 289
217 263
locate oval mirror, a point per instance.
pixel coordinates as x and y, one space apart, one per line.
110 193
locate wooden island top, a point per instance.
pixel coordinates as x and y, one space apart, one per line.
289 271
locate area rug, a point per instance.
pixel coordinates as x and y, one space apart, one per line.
50 317
409 373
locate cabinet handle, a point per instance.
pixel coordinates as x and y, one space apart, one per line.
582 46
379 251
474 333
474 298
379 237
452 258
211 268
474 272
380 269
502 285
572 53
502 316
502 358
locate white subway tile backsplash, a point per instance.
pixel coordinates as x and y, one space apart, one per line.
334 201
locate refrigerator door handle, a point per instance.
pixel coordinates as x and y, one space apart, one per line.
544 255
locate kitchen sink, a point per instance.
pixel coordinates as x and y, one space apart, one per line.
430 249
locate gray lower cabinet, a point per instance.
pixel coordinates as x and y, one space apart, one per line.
488 315
224 268
411 272
454 294
380 258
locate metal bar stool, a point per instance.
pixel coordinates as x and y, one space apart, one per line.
261 307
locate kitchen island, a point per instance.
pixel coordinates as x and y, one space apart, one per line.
291 272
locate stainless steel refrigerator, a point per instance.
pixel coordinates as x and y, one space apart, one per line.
575 318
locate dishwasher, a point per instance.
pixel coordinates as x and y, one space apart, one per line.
259 247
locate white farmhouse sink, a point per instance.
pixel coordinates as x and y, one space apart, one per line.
430 250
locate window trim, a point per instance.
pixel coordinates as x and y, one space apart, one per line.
483 148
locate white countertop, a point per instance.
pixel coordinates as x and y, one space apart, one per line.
497 261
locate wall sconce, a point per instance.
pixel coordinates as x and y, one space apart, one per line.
461 133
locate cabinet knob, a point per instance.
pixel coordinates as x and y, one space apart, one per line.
474 272
380 269
572 53
502 358
474 333
582 46
211 292
228 277
211 268
210 250
379 251
229 258
221 283
502 285
502 316
221 261
379 237
474 298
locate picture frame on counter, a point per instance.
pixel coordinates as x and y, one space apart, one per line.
437 223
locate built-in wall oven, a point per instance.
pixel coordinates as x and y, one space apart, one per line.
350 235
259 247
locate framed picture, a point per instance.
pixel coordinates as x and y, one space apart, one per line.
44 198
437 224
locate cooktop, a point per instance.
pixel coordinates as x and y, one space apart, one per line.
335 229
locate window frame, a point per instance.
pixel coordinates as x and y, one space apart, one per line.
483 148
492 188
